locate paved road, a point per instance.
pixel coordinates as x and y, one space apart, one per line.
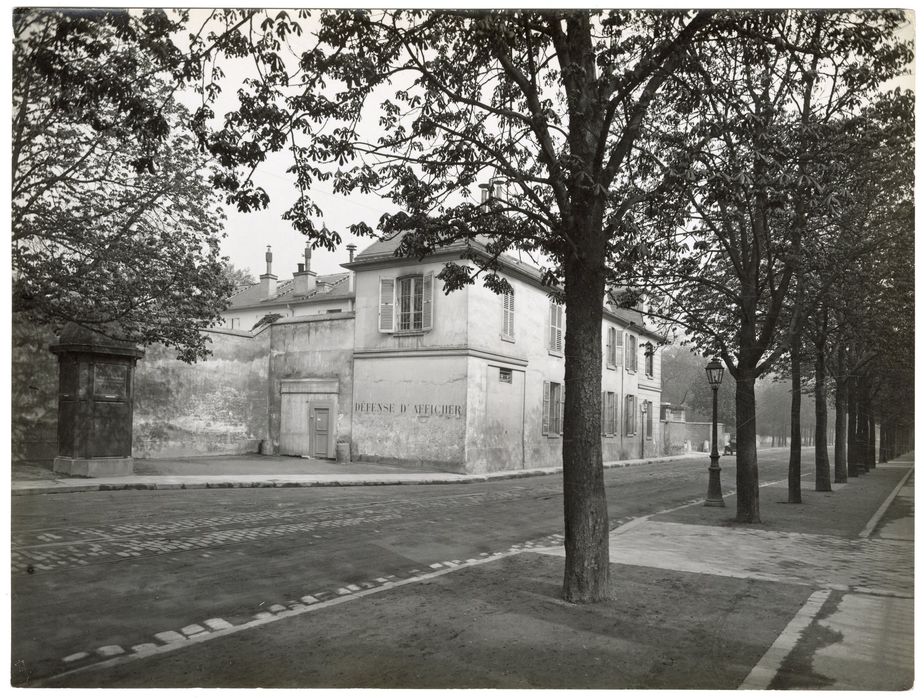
101 573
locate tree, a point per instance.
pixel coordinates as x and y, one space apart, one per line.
684 382
737 280
101 235
553 102
239 277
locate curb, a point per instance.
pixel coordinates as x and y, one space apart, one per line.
223 482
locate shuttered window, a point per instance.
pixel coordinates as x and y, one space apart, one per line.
406 303
610 346
556 315
608 413
630 416
386 304
619 349
553 408
632 354
507 328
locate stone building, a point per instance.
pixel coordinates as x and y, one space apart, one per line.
469 381
377 363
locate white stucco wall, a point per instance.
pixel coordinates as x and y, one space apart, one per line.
410 408
450 312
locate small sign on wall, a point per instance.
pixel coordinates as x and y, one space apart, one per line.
417 410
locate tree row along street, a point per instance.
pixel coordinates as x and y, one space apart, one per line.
752 170
95 570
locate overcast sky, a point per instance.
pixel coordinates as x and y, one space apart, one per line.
249 234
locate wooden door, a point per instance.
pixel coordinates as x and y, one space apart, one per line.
320 432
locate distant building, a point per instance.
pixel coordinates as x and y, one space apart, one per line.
306 293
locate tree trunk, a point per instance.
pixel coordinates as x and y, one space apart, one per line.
840 433
586 520
822 465
795 421
862 425
748 496
853 455
884 441
871 441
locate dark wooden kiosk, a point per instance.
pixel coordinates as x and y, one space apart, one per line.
95 394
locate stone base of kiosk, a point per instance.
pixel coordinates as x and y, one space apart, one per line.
95 466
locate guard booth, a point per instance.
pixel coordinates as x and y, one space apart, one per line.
95 398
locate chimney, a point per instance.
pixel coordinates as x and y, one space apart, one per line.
305 279
352 249
485 193
268 281
500 189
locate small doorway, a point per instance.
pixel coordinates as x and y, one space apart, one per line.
319 437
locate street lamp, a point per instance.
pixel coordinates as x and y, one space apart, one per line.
714 372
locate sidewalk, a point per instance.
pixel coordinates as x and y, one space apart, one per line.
257 471
817 596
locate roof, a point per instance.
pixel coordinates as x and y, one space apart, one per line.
327 287
384 250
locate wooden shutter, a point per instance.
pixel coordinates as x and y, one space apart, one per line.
555 324
545 407
619 349
603 415
551 326
561 408
387 304
613 421
507 329
427 322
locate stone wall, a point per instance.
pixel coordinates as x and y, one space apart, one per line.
213 407
680 437
33 394
308 352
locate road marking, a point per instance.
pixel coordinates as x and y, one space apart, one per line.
762 675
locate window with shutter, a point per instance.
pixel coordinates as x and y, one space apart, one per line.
555 327
406 304
609 413
619 349
610 346
630 418
386 304
632 354
553 408
507 327
614 420
427 321
546 395
561 409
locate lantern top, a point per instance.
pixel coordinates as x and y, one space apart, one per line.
714 372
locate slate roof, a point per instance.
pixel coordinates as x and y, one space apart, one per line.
383 250
334 286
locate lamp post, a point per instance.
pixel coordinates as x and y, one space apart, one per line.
714 372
